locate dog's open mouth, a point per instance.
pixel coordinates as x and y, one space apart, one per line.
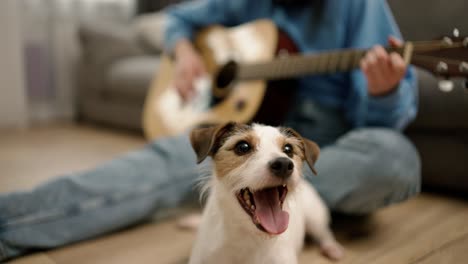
265 206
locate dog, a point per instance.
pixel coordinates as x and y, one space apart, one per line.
259 207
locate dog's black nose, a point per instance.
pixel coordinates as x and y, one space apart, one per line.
282 167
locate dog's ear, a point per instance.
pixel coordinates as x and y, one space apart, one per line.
204 140
311 149
311 153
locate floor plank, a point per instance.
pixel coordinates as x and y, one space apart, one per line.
150 243
39 258
455 251
31 156
404 233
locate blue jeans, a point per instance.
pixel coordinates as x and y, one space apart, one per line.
359 171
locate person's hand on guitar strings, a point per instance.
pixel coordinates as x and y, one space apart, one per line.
188 67
383 71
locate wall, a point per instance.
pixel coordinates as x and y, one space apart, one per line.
13 109
38 54
52 50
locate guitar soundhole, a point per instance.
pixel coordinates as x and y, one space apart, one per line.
240 105
226 75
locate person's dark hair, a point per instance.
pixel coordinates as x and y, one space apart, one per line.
292 2
318 5
297 3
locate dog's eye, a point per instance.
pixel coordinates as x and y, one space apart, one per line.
288 149
242 147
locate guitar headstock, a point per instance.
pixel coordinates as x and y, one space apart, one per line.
446 58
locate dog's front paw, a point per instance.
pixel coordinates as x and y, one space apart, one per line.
332 250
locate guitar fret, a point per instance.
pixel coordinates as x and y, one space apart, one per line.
302 69
352 59
357 56
310 63
300 64
333 62
314 64
303 65
276 69
290 66
326 62
344 63
321 63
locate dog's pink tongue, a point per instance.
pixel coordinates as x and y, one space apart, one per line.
269 213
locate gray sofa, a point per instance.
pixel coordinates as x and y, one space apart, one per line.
114 74
117 68
118 61
440 131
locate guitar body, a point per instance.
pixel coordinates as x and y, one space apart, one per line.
164 112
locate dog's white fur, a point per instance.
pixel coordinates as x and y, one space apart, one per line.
227 234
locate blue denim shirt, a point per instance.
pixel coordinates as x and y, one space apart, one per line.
341 24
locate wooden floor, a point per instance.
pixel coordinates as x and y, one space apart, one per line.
428 229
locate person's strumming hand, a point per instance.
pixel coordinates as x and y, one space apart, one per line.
188 67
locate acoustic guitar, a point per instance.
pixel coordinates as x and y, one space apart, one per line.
243 61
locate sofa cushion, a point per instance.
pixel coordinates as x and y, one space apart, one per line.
113 112
443 157
440 110
131 77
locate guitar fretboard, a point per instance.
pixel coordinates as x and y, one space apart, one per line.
342 61
298 65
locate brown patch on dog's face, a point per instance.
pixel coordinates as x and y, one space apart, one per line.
292 147
306 149
206 141
236 150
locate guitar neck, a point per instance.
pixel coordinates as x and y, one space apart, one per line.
417 53
299 65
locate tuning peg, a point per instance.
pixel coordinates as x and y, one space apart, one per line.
456 32
442 68
445 85
463 67
447 41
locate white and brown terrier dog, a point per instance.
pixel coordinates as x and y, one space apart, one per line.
259 207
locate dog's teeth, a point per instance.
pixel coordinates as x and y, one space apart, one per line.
252 207
248 202
284 185
256 220
246 196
